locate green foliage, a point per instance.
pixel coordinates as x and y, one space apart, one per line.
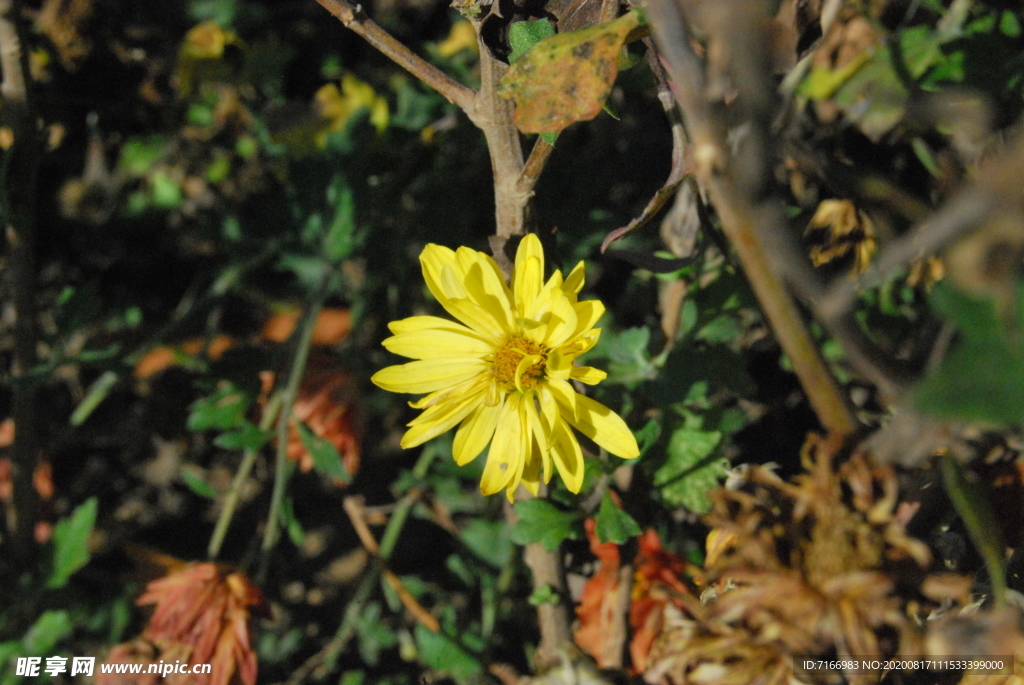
523 35
40 640
982 379
443 654
71 542
326 459
613 524
541 521
224 409
692 469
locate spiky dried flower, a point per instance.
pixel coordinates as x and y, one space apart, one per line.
202 616
819 565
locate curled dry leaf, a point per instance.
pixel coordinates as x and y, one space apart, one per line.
657 584
839 229
566 78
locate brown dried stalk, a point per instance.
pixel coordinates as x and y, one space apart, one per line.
734 186
18 206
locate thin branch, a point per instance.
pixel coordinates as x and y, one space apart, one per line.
20 171
747 223
354 18
539 154
963 213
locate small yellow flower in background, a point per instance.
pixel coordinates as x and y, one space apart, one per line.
504 371
338 105
461 37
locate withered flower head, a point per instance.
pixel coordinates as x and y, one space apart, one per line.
817 566
202 616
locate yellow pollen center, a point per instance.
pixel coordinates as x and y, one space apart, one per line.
508 359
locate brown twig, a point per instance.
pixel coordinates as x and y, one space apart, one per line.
539 154
552 619
492 114
21 167
354 18
732 188
357 515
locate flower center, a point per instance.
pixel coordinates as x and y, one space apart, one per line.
519 363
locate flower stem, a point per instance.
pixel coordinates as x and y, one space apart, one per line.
244 469
288 395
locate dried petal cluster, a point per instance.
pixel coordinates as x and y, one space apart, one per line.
202 616
821 565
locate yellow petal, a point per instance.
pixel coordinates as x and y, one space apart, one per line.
568 458
438 419
433 259
420 323
437 344
525 363
479 383
540 444
528 273
548 408
587 374
574 281
603 426
485 288
427 376
474 316
564 394
588 313
505 460
561 321
475 432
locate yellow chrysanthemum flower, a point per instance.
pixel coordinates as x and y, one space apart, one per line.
504 371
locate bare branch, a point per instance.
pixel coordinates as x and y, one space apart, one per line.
752 226
354 18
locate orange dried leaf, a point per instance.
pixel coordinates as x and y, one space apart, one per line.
332 326
599 600
202 615
567 77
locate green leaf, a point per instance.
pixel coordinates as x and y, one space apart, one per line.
973 502
326 459
489 540
545 594
339 242
224 409
248 437
166 192
49 629
982 379
690 471
193 479
543 522
443 654
71 542
648 436
613 524
138 155
291 523
522 35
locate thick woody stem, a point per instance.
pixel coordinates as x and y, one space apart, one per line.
21 166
